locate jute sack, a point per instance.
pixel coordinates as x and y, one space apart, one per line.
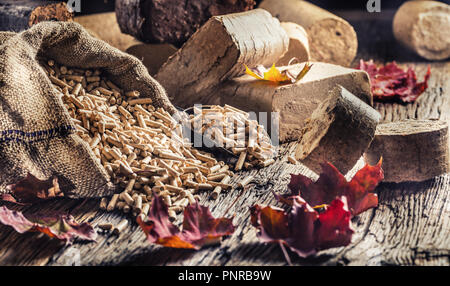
36 133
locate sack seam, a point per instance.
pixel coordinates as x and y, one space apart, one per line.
39 135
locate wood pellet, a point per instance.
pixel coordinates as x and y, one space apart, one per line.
232 129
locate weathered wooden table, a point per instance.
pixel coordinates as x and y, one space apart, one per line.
411 225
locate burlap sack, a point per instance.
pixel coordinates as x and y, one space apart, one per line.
36 133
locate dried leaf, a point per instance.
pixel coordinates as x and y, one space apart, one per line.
303 229
390 82
31 190
62 227
275 75
199 226
332 184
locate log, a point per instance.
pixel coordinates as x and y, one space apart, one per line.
298 44
218 51
168 21
339 131
294 102
153 56
331 39
107 31
412 150
19 15
423 26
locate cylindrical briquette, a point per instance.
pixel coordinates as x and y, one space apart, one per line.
412 150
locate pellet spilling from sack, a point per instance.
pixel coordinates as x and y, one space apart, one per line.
232 129
140 146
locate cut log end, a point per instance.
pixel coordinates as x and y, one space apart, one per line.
412 150
339 131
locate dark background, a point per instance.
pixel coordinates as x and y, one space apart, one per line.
97 6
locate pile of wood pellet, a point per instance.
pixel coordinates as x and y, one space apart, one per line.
140 146
231 128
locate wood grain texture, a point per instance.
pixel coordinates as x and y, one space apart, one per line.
411 225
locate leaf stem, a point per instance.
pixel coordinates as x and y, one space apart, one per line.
286 255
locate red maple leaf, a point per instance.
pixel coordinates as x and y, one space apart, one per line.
62 227
31 190
303 229
332 184
334 228
199 226
391 82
